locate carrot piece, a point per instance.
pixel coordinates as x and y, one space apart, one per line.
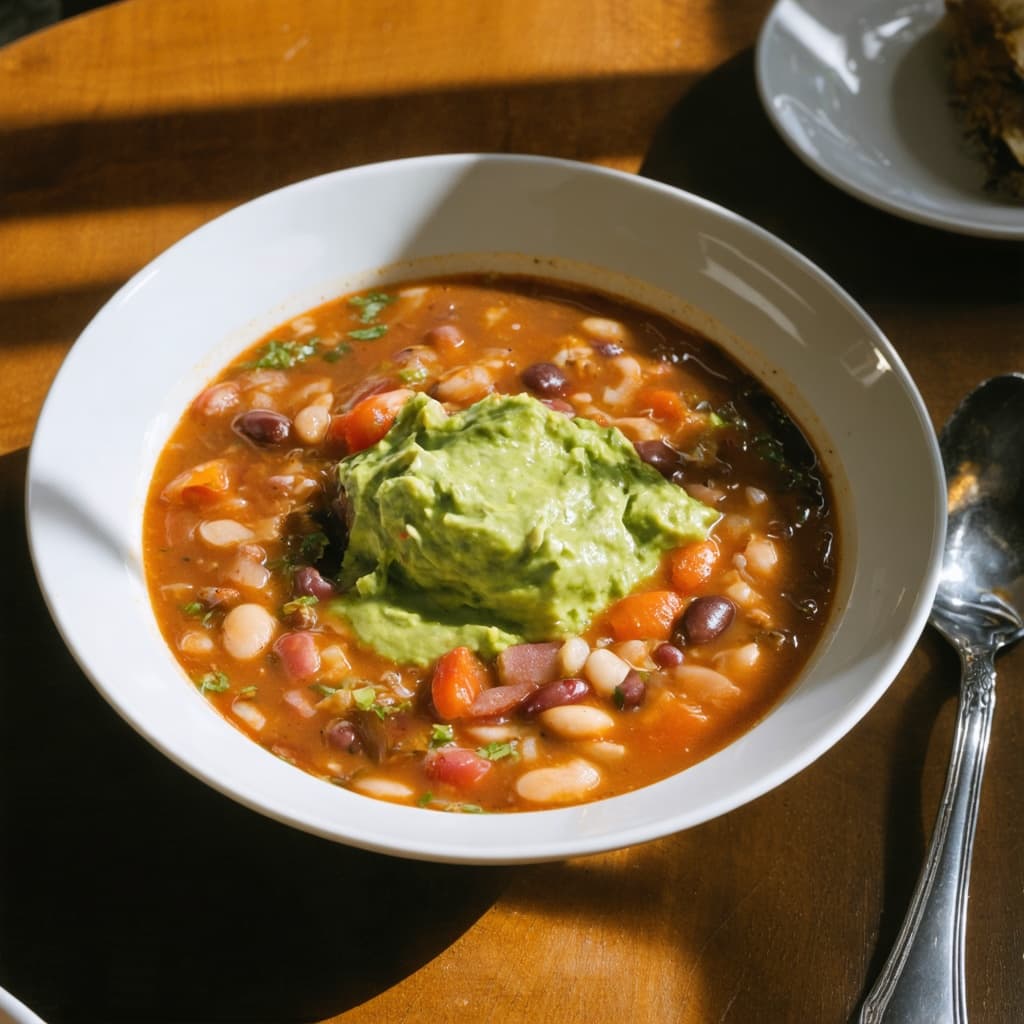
459 678
645 616
663 403
691 567
369 420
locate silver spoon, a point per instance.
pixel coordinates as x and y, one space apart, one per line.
977 609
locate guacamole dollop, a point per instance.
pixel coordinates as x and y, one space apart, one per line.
503 523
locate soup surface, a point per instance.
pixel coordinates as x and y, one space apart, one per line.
489 543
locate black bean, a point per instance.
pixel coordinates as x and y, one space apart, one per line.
631 691
545 379
307 582
705 619
263 426
343 735
554 695
667 656
660 455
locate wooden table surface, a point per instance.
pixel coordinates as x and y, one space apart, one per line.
131 892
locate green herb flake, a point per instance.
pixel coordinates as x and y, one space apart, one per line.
369 333
323 689
283 355
332 355
194 609
365 697
213 682
497 750
370 306
299 602
441 734
312 546
247 693
413 375
426 799
383 711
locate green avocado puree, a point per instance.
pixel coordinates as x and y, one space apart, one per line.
503 523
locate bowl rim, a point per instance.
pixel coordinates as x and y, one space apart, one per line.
522 836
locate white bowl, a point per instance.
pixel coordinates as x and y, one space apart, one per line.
171 328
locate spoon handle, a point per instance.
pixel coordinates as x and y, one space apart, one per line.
923 979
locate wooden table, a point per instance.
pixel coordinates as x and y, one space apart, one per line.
131 892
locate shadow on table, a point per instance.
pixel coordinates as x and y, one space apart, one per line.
129 891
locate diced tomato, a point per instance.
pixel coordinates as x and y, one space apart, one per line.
645 616
299 655
369 420
457 766
663 403
459 678
691 567
200 485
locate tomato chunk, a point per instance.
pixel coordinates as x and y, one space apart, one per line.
647 616
459 678
369 420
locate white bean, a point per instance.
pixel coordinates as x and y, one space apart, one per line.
467 384
702 683
195 642
573 655
224 533
559 784
605 750
249 713
247 631
737 662
383 789
762 557
604 329
604 671
491 733
633 652
246 571
310 424
577 721
632 378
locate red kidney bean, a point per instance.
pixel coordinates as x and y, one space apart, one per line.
704 619
554 695
299 655
263 426
545 379
343 735
667 656
307 582
660 455
457 766
631 691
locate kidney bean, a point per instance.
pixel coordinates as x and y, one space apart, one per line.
307 582
667 655
660 455
554 695
299 655
263 426
704 620
343 735
545 379
631 691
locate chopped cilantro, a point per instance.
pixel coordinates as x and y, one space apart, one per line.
370 306
441 734
383 711
365 697
369 333
426 799
299 602
412 375
194 608
247 693
332 355
213 682
323 689
497 750
283 355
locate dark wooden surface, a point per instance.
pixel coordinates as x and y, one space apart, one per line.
129 891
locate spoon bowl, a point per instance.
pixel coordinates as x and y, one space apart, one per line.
978 610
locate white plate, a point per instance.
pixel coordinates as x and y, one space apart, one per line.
859 90
133 371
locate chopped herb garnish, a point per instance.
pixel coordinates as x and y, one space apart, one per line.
412 375
213 682
497 750
323 689
370 306
369 333
332 355
383 711
247 693
312 546
299 602
441 734
427 800
195 609
283 355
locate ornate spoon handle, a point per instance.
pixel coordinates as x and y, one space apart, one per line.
923 979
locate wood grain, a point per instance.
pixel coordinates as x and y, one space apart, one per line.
131 892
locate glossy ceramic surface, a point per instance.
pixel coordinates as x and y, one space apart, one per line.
134 370
859 90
